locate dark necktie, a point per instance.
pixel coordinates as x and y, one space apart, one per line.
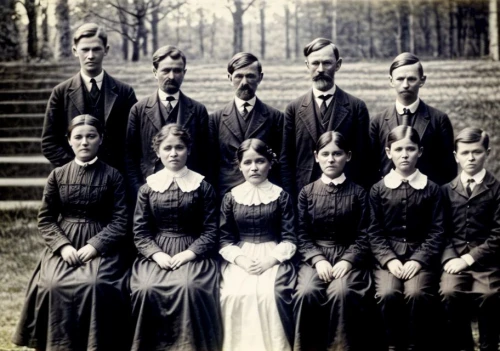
406 117
244 114
94 91
468 187
169 105
323 108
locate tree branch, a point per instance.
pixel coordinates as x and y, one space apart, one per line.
249 4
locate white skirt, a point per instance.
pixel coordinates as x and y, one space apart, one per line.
249 313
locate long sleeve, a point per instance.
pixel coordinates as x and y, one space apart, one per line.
208 238
144 231
380 246
228 229
214 155
358 252
431 248
309 251
446 161
48 216
288 153
133 151
288 245
54 143
361 149
116 229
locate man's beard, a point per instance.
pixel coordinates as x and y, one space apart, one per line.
245 93
323 82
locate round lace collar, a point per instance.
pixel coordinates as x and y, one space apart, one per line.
186 180
249 194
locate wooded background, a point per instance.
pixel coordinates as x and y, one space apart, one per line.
40 30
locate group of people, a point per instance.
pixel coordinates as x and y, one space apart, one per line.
314 229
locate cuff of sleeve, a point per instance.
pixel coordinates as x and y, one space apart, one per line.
151 251
284 251
97 244
59 243
230 252
468 259
316 259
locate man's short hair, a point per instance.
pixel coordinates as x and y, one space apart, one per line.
318 44
471 135
405 59
89 30
242 59
168 51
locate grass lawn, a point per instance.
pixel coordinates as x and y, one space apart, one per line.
467 90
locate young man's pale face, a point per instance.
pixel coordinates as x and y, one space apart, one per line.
406 80
90 52
471 157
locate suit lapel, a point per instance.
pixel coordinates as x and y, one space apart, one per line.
422 119
109 95
483 186
152 111
340 111
260 116
307 115
391 119
229 118
75 94
458 187
185 110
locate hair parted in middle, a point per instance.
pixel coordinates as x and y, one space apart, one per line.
400 133
168 51
85 120
259 146
327 137
171 129
318 44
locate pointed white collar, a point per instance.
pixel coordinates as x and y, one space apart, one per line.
413 107
85 164
339 180
417 180
186 180
478 177
249 194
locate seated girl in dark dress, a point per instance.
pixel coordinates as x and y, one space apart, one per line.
174 282
77 298
333 282
257 243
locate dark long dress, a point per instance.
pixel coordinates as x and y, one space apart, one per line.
176 310
257 309
85 307
332 227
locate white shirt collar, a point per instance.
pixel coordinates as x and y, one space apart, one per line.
317 93
478 177
239 103
85 164
339 180
413 107
163 97
186 180
249 194
417 180
98 80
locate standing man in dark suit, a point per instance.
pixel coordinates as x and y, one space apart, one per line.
91 91
244 117
406 76
166 105
324 108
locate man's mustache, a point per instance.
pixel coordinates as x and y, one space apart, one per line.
322 76
245 88
172 82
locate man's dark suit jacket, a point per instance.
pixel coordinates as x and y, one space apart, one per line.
301 132
436 134
145 122
473 223
226 137
67 101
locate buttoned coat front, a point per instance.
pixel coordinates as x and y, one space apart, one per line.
349 117
67 101
436 135
145 122
226 136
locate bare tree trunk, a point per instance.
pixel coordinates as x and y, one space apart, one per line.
287 31
144 43
238 28
371 49
178 27
297 39
9 34
334 21
187 16
154 29
439 39
213 31
262 29
493 30
451 30
124 28
63 29
31 11
201 29
411 26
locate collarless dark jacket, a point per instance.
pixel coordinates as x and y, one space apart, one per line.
145 122
473 224
436 134
67 101
349 117
226 136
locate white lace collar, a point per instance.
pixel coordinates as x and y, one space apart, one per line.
417 180
249 194
186 180
327 180
85 164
